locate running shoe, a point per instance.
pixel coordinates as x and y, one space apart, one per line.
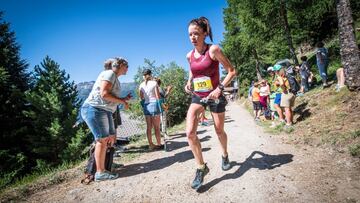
199 177
225 164
204 123
106 175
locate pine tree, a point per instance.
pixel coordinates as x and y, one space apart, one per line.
54 108
14 81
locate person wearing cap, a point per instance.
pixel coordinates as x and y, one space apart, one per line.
287 100
98 108
278 91
150 95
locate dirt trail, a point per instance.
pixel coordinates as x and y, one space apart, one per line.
265 169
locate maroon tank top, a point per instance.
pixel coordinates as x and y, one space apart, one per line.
205 73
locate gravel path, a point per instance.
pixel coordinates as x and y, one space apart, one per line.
265 169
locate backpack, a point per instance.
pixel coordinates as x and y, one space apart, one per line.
294 85
90 169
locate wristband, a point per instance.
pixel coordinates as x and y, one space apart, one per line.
221 87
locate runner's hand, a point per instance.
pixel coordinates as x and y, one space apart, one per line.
215 94
188 88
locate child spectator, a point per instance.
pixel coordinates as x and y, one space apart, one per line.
264 93
256 101
304 73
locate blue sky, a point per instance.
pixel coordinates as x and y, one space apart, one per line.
80 34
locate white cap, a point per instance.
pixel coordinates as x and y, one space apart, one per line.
270 69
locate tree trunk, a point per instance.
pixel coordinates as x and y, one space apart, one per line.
349 51
283 13
258 74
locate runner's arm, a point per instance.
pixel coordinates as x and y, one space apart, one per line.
216 52
219 55
188 84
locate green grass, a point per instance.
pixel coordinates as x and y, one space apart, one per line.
355 134
354 150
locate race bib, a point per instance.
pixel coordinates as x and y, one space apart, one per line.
202 84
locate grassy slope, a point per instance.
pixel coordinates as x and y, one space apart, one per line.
324 117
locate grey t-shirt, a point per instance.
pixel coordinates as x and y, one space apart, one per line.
95 98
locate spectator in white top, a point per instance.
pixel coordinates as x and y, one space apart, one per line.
150 95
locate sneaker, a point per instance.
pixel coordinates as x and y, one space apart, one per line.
199 177
288 128
204 123
225 164
106 175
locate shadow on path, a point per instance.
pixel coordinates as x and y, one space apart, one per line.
158 164
172 144
180 135
266 161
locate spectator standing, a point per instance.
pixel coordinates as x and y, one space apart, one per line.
150 96
264 94
97 112
322 62
278 91
256 101
304 73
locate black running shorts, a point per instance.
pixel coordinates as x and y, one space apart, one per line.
214 107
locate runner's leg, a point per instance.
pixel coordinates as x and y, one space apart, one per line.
191 127
219 119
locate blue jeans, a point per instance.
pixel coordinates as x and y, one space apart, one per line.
99 121
305 83
323 70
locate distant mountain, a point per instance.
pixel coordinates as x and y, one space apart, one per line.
84 89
